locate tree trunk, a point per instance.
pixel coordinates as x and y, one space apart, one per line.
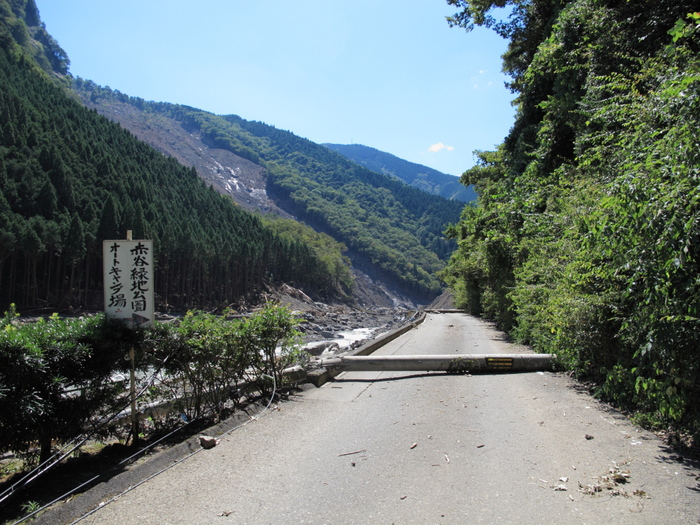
44 446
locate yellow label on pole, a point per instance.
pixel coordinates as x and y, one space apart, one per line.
499 363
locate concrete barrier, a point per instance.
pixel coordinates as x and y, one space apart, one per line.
383 339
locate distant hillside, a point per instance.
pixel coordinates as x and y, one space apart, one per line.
69 177
394 232
416 175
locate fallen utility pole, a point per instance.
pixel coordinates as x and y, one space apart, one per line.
446 363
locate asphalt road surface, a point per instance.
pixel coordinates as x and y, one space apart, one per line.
382 448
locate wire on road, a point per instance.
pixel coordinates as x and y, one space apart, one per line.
114 498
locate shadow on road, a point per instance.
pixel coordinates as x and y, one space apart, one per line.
432 374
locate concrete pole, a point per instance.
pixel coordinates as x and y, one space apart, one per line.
446 363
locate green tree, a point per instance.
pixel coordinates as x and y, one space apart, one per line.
109 221
47 201
75 246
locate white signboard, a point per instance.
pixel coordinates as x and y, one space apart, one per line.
128 281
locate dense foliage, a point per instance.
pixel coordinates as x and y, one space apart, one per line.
207 362
416 175
22 25
55 378
585 238
70 179
330 253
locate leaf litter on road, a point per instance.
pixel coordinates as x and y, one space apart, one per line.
610 482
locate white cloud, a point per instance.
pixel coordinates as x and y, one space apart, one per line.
439 146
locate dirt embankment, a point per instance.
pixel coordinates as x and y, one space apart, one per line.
444 302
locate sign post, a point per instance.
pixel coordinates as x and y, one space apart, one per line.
128 294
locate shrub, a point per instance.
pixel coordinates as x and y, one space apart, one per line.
55 376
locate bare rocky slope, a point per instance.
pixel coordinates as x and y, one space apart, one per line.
228 173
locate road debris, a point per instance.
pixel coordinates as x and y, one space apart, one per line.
208 442
610 482
413 446
351 453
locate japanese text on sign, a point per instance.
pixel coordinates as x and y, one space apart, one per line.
128 276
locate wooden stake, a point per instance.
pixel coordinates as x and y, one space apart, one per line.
134 414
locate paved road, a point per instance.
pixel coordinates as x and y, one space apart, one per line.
427 448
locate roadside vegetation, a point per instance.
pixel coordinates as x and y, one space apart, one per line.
64 382
585 241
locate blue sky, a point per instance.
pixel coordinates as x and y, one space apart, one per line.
390 74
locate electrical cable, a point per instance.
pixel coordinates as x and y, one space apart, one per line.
56 458
11 489
114 498
94 478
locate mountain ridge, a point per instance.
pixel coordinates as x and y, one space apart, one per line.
417 175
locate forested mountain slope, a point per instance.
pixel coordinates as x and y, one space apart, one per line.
416 175
70 178
586 238
394 232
